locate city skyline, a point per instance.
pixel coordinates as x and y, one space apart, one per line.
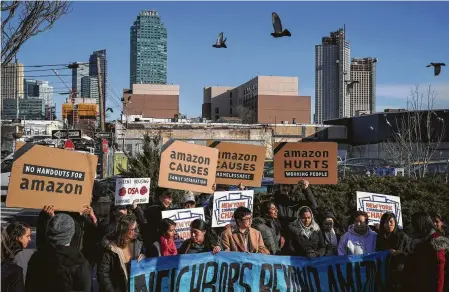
193 64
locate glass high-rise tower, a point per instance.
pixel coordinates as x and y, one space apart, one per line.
148 50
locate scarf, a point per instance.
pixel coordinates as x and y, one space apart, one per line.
168 246
331 237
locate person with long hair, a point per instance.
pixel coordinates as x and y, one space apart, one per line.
12 274
165 245
120 249
201 240
20 234
306 239
391 238
269 226
424 269
359 239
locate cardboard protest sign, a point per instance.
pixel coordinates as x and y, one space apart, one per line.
225 203
239 163
19 145
128 190
315 162
186 166
43 175
378 204
183 218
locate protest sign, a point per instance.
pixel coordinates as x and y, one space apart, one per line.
239 163
19 145
183 218
315 162
235 271
377 204
186 166
225 203
42 176
128 190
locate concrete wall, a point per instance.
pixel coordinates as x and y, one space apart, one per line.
275 108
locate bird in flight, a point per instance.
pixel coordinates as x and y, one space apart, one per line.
350 86
277 25
437 67
220 42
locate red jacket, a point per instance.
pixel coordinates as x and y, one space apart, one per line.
424 270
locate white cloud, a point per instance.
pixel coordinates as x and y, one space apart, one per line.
402 91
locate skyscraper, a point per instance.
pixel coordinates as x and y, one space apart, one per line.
12 81
77 74
332 69
363 96
93 69
89 88
148 50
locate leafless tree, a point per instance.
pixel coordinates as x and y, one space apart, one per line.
246 114
22 20
417 134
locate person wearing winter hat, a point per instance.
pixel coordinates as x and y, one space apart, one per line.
59 267
188 200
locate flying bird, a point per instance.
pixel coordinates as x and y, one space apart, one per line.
277 25
437 67
350 85
220 42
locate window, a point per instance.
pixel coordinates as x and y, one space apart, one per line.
217 110
230 111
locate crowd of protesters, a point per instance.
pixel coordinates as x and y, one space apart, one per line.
72 246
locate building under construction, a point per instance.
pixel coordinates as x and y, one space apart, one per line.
81 112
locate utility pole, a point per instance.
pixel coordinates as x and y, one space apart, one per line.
100 93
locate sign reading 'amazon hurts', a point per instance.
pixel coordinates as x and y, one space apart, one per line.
315 162
239 163
42 176
186 166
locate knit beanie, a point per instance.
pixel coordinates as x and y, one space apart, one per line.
60 229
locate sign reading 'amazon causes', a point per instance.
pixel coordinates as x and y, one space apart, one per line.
239 163
42 176
315 162
129 190
186 166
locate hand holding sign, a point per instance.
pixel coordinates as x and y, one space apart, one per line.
50 210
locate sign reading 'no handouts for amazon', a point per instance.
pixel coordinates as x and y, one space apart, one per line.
315 162
186 166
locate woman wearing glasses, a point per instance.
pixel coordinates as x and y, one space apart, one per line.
242 237
120 248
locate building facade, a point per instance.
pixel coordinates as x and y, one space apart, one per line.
332 70
263 99
363 96
152 101
89 88
93 70
31 108
148 54
11 81
77 74
40 89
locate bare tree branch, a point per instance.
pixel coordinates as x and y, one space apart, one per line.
246 115
26 19
417 134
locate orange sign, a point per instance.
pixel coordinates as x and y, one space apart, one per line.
239 163
43 175
315 162
186 166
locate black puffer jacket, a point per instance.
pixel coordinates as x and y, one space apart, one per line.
12 277
112 273
271 233
58 269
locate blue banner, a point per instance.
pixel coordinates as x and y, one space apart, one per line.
234 271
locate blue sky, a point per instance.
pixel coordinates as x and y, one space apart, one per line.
405 36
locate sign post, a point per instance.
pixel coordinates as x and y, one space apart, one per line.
69 134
